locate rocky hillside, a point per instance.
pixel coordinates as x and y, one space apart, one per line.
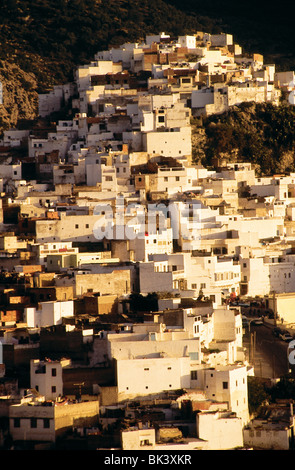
263 134
20 97
41 42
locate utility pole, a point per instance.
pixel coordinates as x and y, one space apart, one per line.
274 307
252 345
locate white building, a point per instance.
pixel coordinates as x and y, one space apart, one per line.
174 143
46 377
142 377
50 313
222 430
183 272
226 383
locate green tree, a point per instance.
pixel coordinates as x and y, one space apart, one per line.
257 394
284 389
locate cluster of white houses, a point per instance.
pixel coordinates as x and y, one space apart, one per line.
108 204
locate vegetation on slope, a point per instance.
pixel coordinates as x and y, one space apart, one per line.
41 43
51 37
262 133
45 40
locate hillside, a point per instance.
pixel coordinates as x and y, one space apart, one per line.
45 40
42 42
50 37
263 134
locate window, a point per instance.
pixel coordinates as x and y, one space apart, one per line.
225 385
146 442
46 423
53 389
53 372
87 226
16 422
161 119
76 226
177 178
197 329
33 422
41 370
194 375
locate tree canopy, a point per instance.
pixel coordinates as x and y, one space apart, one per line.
263 134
